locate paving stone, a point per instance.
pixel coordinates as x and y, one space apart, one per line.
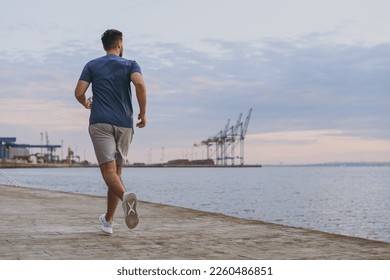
40 224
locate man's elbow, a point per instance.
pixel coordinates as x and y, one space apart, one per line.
77 93
80 89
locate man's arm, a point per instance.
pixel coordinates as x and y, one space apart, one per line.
140 91
79 93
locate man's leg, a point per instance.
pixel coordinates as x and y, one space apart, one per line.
112 176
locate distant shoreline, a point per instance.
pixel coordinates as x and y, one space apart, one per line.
41 165
47 165
333 164
193 166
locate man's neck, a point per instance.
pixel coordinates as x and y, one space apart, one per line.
114 52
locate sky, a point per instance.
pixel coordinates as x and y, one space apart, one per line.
314 72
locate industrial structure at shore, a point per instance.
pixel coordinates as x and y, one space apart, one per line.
222 151
222 146
13 153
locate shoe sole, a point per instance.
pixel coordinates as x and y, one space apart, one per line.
130 210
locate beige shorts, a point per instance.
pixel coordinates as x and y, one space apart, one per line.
110 142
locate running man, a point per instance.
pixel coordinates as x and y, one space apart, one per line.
111 120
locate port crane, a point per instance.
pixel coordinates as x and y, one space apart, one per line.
226 140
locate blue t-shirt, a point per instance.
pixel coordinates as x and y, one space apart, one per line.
110 78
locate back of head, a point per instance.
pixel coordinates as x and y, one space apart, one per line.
110 38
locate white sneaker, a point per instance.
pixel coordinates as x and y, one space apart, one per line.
129 204
105 226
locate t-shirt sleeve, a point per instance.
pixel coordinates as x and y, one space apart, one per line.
86 74
135 68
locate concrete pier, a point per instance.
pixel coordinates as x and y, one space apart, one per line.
39 224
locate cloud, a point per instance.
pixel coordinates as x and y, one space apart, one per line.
42 114
300 84
314 146
303 84
294 137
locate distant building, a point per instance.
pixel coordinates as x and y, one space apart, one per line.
5 146
9 150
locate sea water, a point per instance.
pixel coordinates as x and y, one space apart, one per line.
348 200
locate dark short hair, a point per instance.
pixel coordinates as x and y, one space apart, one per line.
110 38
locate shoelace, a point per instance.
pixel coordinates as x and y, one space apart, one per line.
131 207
